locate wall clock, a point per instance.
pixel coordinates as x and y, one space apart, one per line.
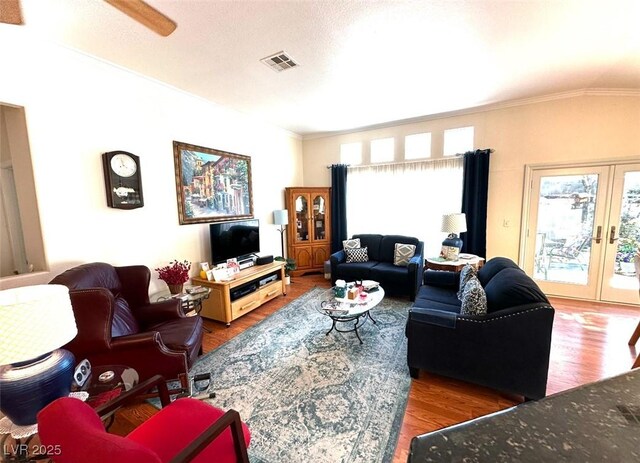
122 180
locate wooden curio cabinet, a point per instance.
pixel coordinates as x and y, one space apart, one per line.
309 229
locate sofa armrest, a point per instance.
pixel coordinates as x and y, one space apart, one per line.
416 267
441 278
159 312
338 257
433 317
147 354
335 259
137 340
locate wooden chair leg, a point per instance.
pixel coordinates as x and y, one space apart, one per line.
184 388
635 336
636 364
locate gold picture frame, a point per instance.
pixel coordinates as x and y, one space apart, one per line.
211 185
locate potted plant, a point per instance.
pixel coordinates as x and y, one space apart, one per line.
624 256
290 265
175 275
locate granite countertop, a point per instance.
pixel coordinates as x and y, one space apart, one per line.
595 422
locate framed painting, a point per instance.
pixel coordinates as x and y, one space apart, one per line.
211 185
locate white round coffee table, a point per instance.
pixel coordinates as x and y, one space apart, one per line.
344 310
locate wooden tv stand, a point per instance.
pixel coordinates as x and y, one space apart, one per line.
219 306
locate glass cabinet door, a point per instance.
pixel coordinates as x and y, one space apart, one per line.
302 218
319 222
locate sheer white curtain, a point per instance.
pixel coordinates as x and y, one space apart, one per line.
404 199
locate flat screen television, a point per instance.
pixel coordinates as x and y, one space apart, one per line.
234 239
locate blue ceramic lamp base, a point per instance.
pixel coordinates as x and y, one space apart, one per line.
28 387
453 241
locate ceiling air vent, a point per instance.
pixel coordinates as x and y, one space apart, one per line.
279 62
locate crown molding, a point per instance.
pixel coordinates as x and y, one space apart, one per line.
624 92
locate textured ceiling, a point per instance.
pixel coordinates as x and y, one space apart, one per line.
360 62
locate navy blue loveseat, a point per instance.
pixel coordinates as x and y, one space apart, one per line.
506 349
380 248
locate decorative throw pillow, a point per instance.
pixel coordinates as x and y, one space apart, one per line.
403 254
351 244
357 255
474 299
466 273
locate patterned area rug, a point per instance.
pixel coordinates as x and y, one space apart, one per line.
311 397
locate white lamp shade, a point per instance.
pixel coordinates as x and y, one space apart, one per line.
454 223
34 320
281 217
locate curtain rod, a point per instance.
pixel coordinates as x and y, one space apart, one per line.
491 150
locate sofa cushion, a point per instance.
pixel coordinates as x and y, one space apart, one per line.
492 267
124 322
385 272
512 287
357 255
356 270
388 246
403 254
372 243
467 272
351 244
437 294
474 299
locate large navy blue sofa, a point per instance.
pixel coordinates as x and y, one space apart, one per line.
380 248
506 349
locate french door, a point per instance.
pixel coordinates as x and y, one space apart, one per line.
582 230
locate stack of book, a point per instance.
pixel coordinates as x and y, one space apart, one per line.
370 285
196 290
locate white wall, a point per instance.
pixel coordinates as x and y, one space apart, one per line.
572 129
78 108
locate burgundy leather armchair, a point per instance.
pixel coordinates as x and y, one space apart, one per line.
117 325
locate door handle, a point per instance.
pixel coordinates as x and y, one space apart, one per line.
612 235
598 237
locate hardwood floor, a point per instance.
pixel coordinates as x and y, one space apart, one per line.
589 343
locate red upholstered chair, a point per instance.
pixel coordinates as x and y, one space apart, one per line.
185 430
117 325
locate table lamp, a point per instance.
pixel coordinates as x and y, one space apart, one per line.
281 217
453 224
34 322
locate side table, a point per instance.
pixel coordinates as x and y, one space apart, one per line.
191 302
438 263
102 389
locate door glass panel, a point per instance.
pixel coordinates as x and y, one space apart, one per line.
566 208
319 223
302 219
628 234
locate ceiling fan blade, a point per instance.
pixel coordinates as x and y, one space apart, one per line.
145 14
10 12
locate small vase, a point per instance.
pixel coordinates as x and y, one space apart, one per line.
175 289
